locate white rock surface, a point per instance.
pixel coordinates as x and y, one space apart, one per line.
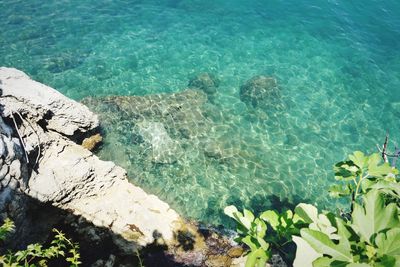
67 175
64 115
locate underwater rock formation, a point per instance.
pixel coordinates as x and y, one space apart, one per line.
259 91
165 150
160 125
206 82
179 112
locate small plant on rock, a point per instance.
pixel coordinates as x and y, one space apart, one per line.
251 232
36 254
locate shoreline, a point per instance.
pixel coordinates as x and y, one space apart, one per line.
54 170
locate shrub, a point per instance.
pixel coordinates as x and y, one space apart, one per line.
36 254
367 236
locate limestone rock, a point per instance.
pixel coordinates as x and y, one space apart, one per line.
62 115
67 175
259 91
90 143
218 261
235 252
239 262
206 82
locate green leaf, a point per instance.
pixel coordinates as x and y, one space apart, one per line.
388 261
344 234
370 251
339 191
271 217
7 227
380 171
374 159
389 243
261 228
387 187
305 254
373 216
359 159
297 219
345 170
324 225
321 262
258 257
322 244
249 242
354 264
307 212
245 220
264 245
230 211
248 215
376 170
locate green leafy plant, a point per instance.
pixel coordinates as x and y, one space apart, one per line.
282 226
370 238
7 227
361 173
367 236
260 239
36 254
251 232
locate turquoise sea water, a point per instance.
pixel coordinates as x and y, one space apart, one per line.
337 64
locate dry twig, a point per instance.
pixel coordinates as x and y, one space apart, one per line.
20 138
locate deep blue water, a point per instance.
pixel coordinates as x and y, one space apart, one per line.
337 64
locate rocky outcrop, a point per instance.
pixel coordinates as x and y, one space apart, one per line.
40 160
12 165
260 91
64 173
206 82
46 106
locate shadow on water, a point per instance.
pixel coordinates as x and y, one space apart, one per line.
260 203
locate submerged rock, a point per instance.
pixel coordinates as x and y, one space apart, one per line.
163 124
165 150
259 91
206 82
179 112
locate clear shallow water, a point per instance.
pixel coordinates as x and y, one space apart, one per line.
337 65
